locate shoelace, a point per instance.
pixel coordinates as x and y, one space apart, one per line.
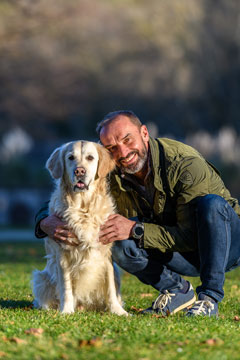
162 300
202 307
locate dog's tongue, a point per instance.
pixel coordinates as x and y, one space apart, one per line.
80 184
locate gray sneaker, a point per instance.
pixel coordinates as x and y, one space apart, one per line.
205 306
170 302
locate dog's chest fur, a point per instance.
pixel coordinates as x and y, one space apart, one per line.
84 215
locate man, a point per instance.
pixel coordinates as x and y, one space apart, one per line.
175 217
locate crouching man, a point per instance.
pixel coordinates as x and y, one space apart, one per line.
175 217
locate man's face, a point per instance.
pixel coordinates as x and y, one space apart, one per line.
127 143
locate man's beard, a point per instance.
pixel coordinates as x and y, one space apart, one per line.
138 165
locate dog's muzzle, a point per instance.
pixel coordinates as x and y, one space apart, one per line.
80 174
80 186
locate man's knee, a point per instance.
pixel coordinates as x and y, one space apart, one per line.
128 256
210 206
118 252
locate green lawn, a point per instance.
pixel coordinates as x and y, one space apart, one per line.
32 334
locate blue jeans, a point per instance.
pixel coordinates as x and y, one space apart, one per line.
218 233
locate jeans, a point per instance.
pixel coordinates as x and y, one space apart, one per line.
218 233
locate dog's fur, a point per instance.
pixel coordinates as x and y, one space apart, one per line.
80 276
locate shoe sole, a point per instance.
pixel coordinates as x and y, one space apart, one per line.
184 306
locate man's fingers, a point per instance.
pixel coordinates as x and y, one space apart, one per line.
113 216
106 231
65 233
107 238
71 243
63 240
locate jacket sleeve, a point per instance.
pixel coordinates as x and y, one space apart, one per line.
41 214
191 181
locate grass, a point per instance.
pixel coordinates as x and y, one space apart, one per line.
104 336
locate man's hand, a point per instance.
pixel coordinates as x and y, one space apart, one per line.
57 230
116 227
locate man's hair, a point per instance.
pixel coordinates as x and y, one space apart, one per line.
114 114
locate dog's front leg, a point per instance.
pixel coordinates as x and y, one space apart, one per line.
113 301
65 287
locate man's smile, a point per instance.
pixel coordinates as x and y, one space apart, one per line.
129 159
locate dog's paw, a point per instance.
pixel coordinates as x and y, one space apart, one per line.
43 306
124 313
120 311
67 310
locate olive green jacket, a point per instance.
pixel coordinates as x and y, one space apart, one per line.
169 225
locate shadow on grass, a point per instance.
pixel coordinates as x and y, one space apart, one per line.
16 304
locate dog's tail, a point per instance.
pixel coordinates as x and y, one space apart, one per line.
44 290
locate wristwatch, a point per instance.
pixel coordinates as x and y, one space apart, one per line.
138 231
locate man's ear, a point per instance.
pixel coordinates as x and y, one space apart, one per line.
105 163
144 133
55 163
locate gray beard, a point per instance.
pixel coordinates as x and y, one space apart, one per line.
134 168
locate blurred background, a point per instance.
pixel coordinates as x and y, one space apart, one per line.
64 64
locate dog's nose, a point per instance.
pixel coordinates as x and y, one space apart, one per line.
79 171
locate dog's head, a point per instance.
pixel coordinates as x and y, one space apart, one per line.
80 163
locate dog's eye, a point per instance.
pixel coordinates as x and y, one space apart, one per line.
71 157
90 157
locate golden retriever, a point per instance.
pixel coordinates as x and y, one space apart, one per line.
82 275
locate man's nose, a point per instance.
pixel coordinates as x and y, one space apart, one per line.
122 151
80 171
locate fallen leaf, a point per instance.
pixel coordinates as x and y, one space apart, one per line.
83 343
146 295
2 354
136 309
33 331
158 316
94 342
212 342
17 340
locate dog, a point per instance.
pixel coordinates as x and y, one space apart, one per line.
79 276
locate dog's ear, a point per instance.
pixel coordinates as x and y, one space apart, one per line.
55 163
105 163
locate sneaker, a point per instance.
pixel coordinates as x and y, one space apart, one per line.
205 306
168 303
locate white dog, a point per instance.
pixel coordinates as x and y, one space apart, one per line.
80 276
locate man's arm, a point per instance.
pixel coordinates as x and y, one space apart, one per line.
53 226
41 214
192 179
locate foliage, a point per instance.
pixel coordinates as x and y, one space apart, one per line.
33 334
64 64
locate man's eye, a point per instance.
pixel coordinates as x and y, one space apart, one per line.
112 149
90 157
127 140
71 157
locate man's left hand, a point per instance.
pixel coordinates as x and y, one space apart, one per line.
116 227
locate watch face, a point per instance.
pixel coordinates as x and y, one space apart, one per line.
138 230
